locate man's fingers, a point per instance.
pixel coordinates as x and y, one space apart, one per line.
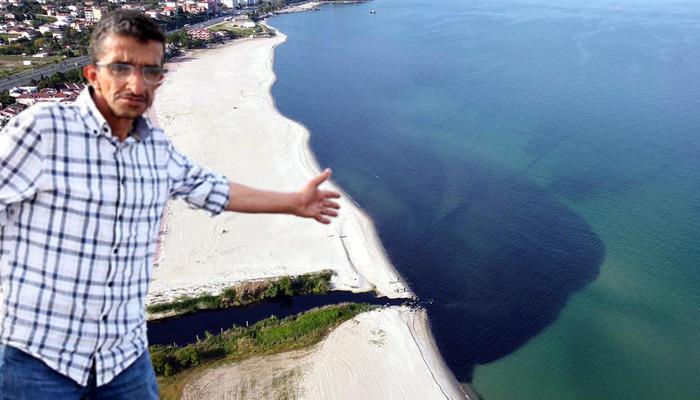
329 212
322 219
331 194
331 204
320 178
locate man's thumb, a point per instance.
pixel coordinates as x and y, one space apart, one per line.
321 177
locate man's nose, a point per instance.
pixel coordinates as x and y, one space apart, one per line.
135 82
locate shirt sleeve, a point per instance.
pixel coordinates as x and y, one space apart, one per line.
199 187
21 162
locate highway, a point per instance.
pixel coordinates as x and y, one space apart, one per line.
25 78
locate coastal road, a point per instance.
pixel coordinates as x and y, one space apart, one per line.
26 78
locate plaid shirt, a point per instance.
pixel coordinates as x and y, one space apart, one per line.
79 214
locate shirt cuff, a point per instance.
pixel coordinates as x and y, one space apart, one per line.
218 197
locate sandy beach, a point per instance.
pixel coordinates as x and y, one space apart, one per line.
383 354
217 107
298 8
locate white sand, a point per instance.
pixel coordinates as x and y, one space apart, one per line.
383 354
298 8
217 107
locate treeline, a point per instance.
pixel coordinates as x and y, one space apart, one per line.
72 76
181 18
181 39
249 292
72 44
273 5
24 10
268 336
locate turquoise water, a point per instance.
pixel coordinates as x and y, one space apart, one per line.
534 168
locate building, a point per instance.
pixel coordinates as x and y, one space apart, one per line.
155 14
230 3
11 111
64 17
93 14
74 88
45 95
199 33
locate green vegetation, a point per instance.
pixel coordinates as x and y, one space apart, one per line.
10 65
181 18
73 44
6 99
234 31
182 39
173 365
72 76
272 5
40 19
249 292
7 36
24 10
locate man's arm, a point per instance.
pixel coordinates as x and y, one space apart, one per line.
21 162
309 202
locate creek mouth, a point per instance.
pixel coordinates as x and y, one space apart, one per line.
183 330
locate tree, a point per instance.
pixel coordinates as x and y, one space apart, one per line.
39 43
5 98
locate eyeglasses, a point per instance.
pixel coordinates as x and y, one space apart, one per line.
151 75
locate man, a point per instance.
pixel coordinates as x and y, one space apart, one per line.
82 190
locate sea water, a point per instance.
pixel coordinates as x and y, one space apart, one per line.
533 168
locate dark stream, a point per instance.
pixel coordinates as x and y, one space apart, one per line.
184 330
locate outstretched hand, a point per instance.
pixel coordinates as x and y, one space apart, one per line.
316 203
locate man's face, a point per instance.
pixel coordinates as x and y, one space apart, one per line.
124 96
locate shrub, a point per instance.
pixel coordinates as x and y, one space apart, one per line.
187 357
249 292
266 336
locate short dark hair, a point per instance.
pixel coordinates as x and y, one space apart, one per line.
127 23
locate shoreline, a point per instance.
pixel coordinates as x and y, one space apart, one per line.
357 360
314 168
256 145
359 260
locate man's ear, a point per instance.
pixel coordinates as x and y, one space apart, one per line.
90 73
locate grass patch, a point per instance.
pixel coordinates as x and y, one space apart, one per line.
237 31
175 366
7 36
11 64
248 293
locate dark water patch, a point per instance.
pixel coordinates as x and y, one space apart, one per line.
463 149
186 329
500 261
499 255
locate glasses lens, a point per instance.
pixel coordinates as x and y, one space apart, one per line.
121 70
153 74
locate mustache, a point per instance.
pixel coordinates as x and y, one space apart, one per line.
131 96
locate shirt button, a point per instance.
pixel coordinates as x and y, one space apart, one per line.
110 284
120 218
123 181
115 250
104 318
